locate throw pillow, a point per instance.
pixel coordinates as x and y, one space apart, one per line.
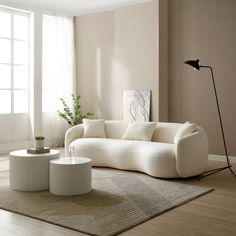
94 128
185 129
141 131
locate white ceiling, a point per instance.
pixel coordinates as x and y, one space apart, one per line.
72 7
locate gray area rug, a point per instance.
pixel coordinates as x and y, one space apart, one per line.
119 200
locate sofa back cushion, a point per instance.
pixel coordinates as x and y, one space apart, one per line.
185 129
165 132
141 131
115 128
94 128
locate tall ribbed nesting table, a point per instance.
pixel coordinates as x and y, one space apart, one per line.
70 176
30 172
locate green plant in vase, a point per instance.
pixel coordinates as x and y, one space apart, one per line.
73 116
39 142
39 138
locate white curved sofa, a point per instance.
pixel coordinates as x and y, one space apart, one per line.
159 158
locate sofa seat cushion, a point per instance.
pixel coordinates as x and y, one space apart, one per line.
153 158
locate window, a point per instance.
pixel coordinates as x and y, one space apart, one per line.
29 96
14 61
46 60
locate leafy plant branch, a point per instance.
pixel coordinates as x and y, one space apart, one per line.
74 115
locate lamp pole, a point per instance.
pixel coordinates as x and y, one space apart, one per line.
196 65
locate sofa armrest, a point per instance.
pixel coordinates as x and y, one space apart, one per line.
192 154
73 133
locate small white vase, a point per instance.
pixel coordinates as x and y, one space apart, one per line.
39 144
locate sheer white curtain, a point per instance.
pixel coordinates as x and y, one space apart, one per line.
58 73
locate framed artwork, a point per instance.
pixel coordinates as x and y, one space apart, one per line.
136 105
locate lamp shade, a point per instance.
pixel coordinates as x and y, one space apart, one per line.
193 63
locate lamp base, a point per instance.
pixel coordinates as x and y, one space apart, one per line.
213 171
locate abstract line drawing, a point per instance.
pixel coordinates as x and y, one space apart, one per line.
136 105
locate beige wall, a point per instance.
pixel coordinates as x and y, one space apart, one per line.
94 56
118 50
127 49
204 29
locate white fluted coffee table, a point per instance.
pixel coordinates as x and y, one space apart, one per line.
30 172
70 176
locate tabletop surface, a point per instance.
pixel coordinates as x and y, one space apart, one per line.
71 161
23 153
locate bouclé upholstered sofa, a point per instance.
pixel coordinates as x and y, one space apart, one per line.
171 153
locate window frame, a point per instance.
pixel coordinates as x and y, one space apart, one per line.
12 64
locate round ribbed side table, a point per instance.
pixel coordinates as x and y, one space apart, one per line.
30 172
70 176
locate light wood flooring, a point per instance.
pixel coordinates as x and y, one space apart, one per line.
213 214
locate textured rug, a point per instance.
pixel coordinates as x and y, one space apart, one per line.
119 200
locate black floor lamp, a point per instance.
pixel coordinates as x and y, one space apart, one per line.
195 65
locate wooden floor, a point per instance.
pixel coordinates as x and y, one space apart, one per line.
210 215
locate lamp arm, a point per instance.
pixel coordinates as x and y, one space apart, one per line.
219 113
195 65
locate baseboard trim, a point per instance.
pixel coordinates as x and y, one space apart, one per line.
221 158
